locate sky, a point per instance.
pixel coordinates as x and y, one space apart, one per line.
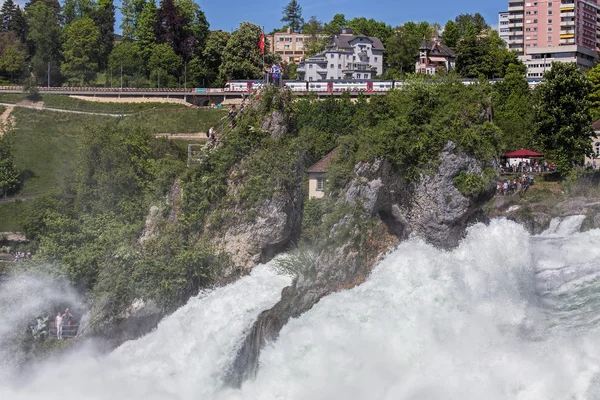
226 15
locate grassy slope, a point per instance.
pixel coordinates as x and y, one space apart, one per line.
2 108
69 103
45 144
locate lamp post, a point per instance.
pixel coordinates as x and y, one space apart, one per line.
121 76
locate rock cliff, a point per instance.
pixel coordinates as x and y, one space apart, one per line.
432 208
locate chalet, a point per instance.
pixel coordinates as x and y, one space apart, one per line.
316 176
434 57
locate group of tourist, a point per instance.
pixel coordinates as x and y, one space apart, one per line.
20 255
60 321
509 187
529 166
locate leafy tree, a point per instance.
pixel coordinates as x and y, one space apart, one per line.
9 174
562 115
198 24
512 109
164 65
146 26
172 29
485 55
335 26
317 41
593 76
292 16
203 71
370 27
451 34
403 46
75 9
53 4
241 56
131 11
471 24
79 50
12 55
45 36
128 56
104 18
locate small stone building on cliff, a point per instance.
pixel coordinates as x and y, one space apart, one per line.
316 176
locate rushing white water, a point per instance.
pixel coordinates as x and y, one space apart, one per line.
504 316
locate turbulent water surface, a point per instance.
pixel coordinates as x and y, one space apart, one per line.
504 316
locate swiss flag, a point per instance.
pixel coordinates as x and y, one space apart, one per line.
261 44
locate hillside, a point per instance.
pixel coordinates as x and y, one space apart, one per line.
45 142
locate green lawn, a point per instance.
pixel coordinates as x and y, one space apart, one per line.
68 103
2 109
177 121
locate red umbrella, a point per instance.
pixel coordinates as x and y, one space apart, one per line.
523 154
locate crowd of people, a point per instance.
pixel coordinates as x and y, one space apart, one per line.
529 166
20 255
509 187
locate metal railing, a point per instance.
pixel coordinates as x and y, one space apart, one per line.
68 331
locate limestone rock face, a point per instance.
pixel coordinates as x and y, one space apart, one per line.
275 124
432 209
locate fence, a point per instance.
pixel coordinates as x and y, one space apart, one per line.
68 332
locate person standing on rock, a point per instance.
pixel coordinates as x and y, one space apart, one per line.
211 132
58 324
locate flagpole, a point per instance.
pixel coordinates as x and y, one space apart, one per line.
264 50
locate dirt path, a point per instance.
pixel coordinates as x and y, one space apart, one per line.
61 110
6 120
200 136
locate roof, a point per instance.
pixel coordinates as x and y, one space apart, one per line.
323 164
436 48
596 125
344 40
523 154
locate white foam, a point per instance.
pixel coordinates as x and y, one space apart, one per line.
504 316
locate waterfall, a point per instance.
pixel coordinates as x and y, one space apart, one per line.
503 316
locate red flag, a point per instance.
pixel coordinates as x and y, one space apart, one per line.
261 44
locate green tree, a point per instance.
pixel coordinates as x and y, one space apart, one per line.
12 55
370 27
75 9
198 24
131 11
79 51
335 26
562 115
593 76
146 26
104 18
403 46
203 71
164 66
241 56
9 174
7 15
451 34
292 16
485 55
128 56
471 24
45 36
512 109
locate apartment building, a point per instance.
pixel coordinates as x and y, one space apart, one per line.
290 46
503 29
557 30
347 56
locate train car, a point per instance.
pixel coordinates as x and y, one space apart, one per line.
243 85
351 85
296 86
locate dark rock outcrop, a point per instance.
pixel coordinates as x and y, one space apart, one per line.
432 208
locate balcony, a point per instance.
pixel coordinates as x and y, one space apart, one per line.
567 14
567 23
515 25
567 41
516 7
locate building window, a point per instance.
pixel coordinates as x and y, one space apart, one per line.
549 12
549 29
310 66
549 4
375 59
320 184
340 66
549 20
549 38
332 66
